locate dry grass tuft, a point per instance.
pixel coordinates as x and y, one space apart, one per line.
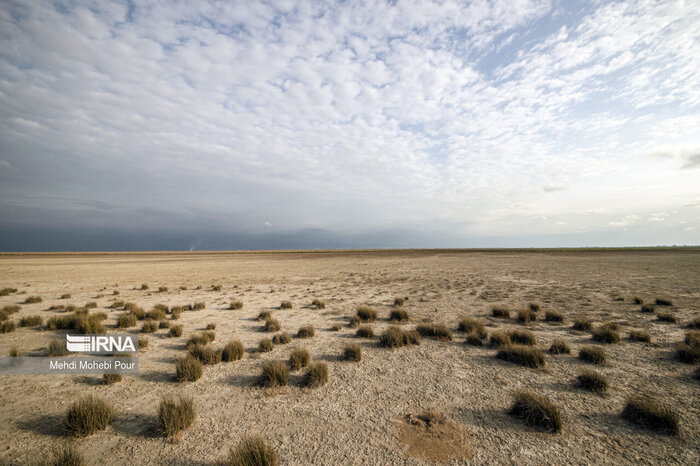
205 354
109 379
559 346
31 321
149 326
523 355
437 331
57 347
366 314
307 331
252 451
316 375
265 345
354 322
525 316
666 317
188 369
271 325
537 411
32 300
66 455
264 315
592 381
233 351
500 312
274 374
583 325
474 339
499 339
282 339
175 415
471 325
175 331
650 414
592 354
365 331
352 352
336 328
318 304
640 335
126 321
605 334
398 315
663 302
88 415
647 308
286 305
553 316
398 302
299 358
235 305
523 337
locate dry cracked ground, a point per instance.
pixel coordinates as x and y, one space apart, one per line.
365 413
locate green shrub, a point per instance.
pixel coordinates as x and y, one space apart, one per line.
663 302
398 302
149 326
666 317
175 415
647 308
237 304
316 375
582 325
523 337
352 352
526 316
650 414
88 415
265 345
188 369
553 316
438 332
592 381
500 312
471 325
398 315
559 346
233 351
109 379
252 451
499 339
605 334
31 321
286 305
274 374
365 331
592 354
366 314
523 355
299 358
537 411
318 304
282 339
32 300
175 331
271 325
640 335
307 331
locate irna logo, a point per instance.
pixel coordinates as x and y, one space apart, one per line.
101 344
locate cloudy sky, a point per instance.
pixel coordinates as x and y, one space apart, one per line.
349 124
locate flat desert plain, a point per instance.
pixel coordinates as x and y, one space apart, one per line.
369 412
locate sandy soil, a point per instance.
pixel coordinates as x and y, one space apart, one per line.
357 417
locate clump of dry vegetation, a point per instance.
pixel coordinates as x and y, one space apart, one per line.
354 322
500 312
274 374
7 326
534 307
553 316
32 299
164 324
236 304
126 321
57 347
688 351
472 325
637 300
336 328
499 339
316 374
265 345
252 451
365 331
202 338
109 379
143 342
233 351
352 352
582 324
31 321
559 346
536 410
666 317
156 314
88 415
395 337
282 339
606 334
524 355
264 315
695 323
663 302
648 308
640 335
366 314
216 287
149 326
271 325
7 291
66 455
398 302
525 316
205 354
318 304
175 415
592 354
14 352
592 381
162 289
523 337
651 414
436 331
299 358
286 305
307 331
474 339
398 315
188 369
90 305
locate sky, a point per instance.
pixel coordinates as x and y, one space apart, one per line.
282 125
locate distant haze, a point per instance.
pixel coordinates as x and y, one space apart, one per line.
299 125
